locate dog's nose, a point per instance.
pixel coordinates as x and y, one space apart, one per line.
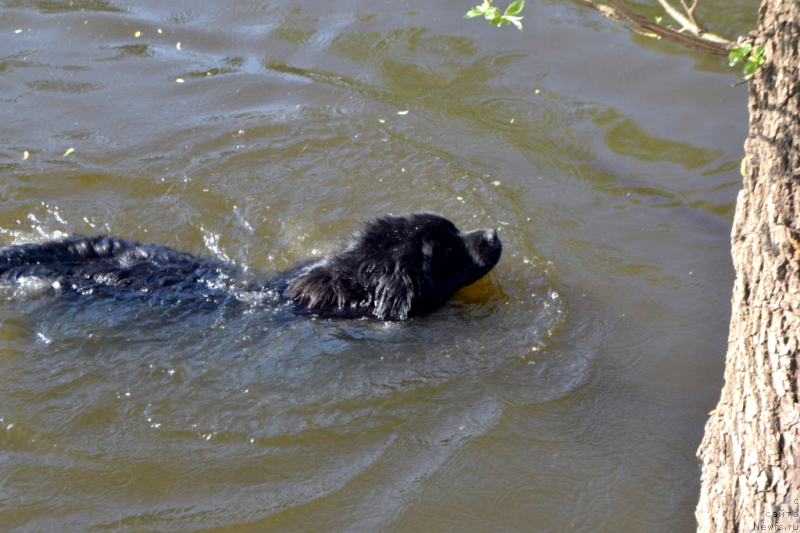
490 235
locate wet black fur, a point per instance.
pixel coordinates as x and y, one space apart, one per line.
393 268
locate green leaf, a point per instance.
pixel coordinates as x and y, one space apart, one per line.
735 55
759 56
492 14
515 8
750 67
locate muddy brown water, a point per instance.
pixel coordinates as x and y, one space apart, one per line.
566 391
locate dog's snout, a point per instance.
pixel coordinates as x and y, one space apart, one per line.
490 235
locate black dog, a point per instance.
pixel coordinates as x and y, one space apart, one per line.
393 268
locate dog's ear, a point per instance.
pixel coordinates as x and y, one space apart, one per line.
384 289
319 291
394 292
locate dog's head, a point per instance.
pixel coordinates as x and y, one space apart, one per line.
395 267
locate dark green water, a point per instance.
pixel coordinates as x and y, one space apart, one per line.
565 392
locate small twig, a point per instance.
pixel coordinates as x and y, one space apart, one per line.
743 80
677 16
690 11
692 25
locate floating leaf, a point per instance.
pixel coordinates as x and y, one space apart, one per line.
25 155
178 46
137 34
18 31
405 112
180 80
69 151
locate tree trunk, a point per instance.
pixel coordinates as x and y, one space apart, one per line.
751 448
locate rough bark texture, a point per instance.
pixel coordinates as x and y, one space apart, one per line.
751 449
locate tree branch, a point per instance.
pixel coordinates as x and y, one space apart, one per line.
698 38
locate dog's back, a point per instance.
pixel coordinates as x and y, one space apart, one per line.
106 265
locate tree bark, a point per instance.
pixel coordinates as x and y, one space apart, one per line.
751 449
